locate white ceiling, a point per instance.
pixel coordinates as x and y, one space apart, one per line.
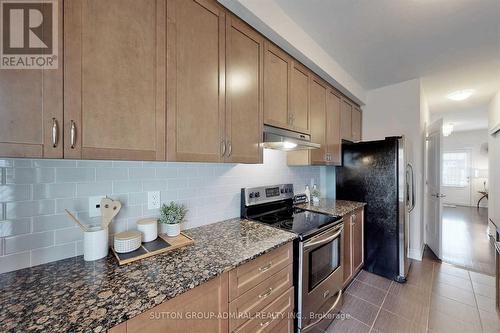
450 44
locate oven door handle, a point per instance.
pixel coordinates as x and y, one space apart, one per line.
325 240
326 313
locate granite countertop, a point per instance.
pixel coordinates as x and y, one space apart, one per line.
78 296
333 207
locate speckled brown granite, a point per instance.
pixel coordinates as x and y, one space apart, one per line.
72 295
333 207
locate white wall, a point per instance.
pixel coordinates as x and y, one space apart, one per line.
267 17
471 141
494 161
394 110
34 228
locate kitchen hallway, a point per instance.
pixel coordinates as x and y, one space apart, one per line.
437 297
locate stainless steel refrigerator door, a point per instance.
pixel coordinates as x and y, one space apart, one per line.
404 217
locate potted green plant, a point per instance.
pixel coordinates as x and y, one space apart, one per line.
171 217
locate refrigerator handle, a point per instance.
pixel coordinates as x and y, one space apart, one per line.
412 190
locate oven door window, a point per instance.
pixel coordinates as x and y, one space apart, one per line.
323 261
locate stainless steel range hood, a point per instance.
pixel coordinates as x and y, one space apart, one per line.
280 139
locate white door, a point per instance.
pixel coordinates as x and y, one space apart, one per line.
433 193
456 177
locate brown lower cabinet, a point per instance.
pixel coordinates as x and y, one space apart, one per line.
353 244
256 296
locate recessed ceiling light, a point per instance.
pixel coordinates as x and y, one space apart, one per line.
460 95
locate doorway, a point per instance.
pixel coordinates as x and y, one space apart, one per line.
456 179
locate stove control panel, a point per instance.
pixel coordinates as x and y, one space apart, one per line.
263 194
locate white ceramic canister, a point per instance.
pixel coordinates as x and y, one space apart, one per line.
148 228
95 243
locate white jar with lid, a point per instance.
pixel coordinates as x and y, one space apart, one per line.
148 228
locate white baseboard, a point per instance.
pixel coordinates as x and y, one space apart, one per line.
416 254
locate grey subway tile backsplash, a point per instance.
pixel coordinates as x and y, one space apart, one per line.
63 236
111 174
14 261
18 209
37 230
53 191
75 175
28 242
30 175
15 227
58 252
15 192
90 189
51 222
127 186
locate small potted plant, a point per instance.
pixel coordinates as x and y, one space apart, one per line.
171 217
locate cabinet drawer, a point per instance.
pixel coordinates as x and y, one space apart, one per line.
270 318
247 276
260 296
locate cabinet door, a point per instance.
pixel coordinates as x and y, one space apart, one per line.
347 249
299 98
317 109
31 106
114 79
357 240
195 80
346 120
209 298
356 124
333 123
244 98
276 86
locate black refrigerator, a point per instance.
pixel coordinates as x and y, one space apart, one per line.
379 174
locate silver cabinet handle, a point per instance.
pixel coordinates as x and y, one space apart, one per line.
72 132
223 147
229 148
266 267
267 293
55 133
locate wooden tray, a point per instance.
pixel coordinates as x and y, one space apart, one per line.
162 244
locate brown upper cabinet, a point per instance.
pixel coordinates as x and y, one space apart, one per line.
114 80
286 91
244 92
195 81
324 108
356 124
333 136
277 66
31 110
299 98
351 121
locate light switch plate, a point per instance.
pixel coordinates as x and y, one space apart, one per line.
95 205
154 200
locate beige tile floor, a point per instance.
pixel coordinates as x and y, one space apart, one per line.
438 298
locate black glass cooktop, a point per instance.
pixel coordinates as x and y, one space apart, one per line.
299 221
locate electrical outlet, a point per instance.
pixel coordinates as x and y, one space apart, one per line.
154 200
95 205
